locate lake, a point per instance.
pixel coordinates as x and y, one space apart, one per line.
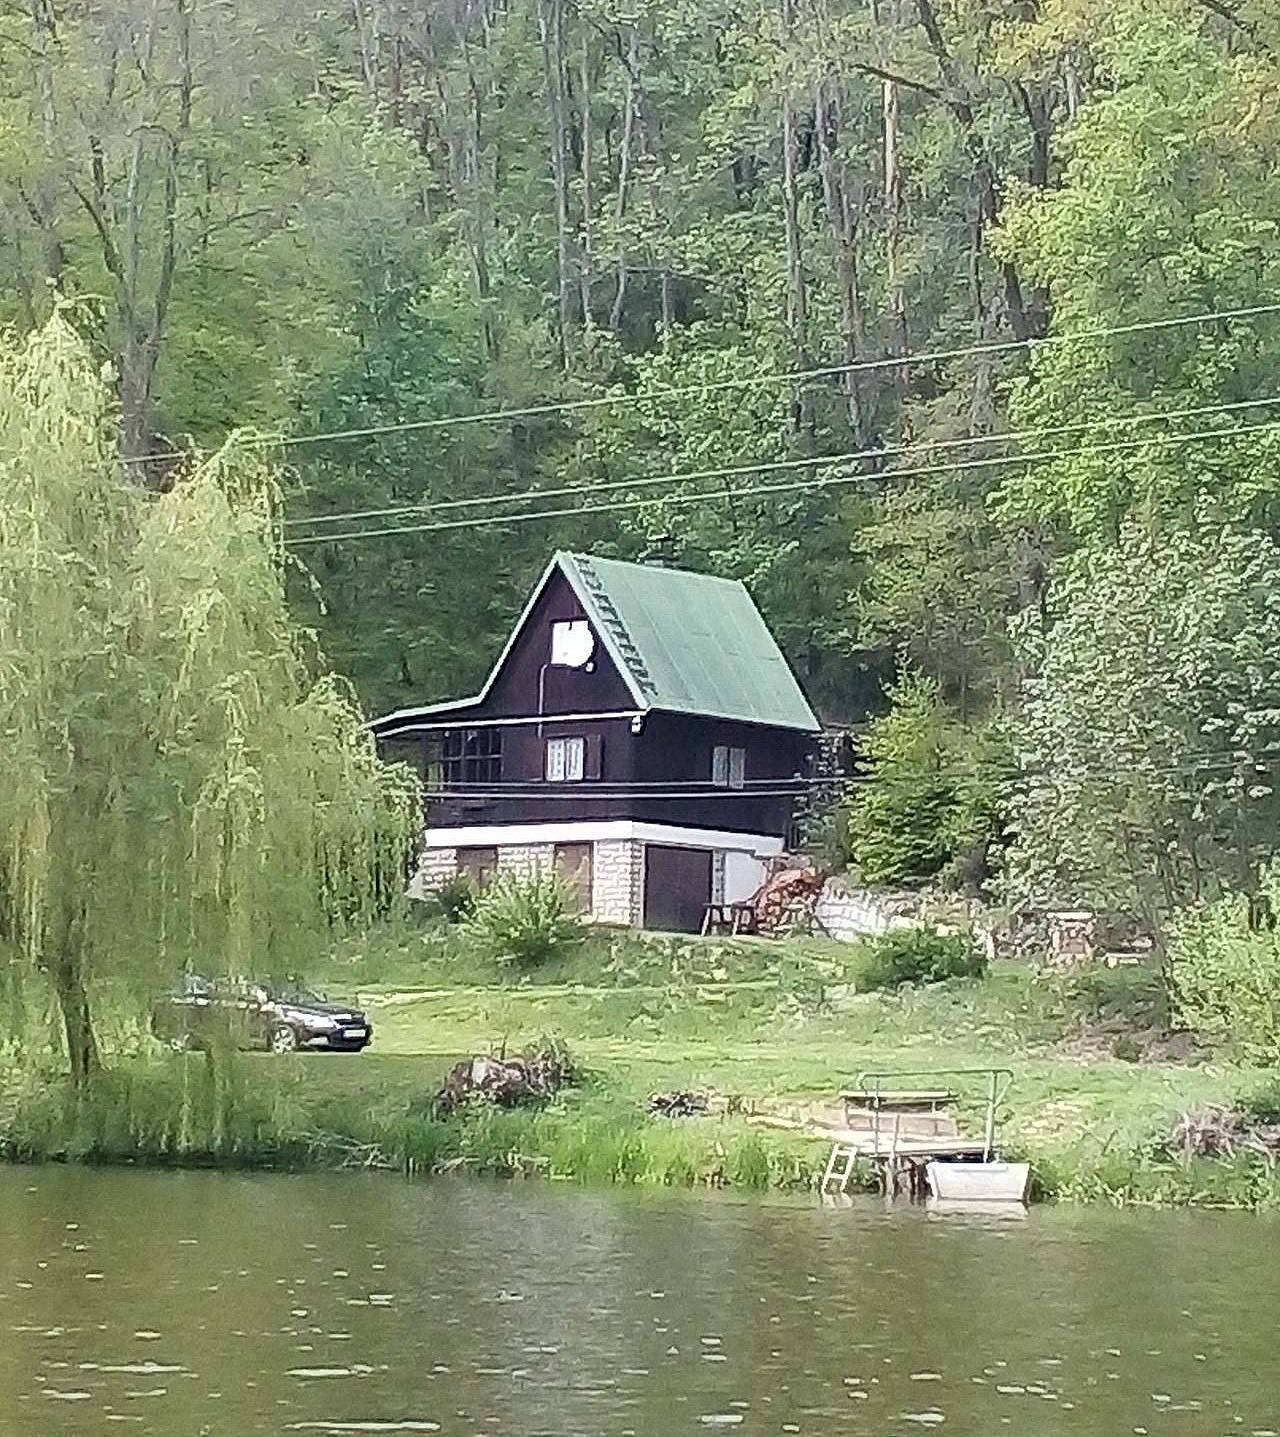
206 1303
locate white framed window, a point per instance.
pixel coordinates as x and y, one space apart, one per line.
565 759
728 766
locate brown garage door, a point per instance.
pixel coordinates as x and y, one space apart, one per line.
677 887
573 868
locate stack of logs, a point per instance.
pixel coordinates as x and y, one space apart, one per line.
788 899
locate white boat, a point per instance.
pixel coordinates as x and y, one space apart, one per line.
979 1182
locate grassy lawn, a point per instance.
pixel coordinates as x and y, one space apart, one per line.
1093 1092
782 1020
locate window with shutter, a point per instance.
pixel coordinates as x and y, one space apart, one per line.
728 766
565 760
593 759
737 767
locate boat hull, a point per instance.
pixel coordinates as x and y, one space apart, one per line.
979 1182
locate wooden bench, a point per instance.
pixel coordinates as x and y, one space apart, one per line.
730 918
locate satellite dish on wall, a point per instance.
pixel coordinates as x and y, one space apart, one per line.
572 644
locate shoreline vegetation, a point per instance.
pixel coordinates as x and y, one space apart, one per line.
1099 1085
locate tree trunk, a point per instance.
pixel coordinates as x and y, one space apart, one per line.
40 203
1025 323
587 265
893 196
551 30
477 195
843 227
83 1057
797 298
625 158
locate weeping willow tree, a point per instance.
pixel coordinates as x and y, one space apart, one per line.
177 789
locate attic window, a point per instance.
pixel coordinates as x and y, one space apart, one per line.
728 766
572 643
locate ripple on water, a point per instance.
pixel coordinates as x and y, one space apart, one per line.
409 1425
356 1370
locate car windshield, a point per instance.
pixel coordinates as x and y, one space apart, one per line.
298 995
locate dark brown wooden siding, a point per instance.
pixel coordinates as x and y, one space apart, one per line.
516 688
660 775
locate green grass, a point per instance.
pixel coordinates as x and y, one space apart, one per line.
759 1020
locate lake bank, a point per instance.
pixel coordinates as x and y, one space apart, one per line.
758 1022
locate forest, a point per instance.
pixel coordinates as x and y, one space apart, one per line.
951 326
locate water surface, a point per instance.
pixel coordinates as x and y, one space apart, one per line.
202 1303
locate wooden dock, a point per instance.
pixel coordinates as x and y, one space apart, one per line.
901 1131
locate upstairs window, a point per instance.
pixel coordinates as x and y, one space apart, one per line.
728 766
568 760
572 643
472 755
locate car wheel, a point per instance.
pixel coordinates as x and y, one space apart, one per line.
284 1039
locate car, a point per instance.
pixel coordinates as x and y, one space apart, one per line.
282 1018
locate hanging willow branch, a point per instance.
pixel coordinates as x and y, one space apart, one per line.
177 788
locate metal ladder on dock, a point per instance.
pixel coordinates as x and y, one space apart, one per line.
848 1154
840 1152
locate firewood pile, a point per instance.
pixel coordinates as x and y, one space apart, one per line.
505 1082
1214 1131
788 900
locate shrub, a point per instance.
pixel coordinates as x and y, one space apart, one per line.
523 921
919 955
1261 1104
1225 975
454 900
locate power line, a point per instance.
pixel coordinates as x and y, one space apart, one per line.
600 401
775 465
831 481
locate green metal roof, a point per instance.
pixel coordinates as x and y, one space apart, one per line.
688 643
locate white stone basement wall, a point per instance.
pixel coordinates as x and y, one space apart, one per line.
617 882
435 867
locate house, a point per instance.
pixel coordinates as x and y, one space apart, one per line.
641 733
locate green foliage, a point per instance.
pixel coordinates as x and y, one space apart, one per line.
524 920
933 799
917 955
454 900
1149 722
898 823
1168 172
177 787
1225 972
1261 1101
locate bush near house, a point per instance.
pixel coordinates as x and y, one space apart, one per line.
919 955
934 811
454 900
521 921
